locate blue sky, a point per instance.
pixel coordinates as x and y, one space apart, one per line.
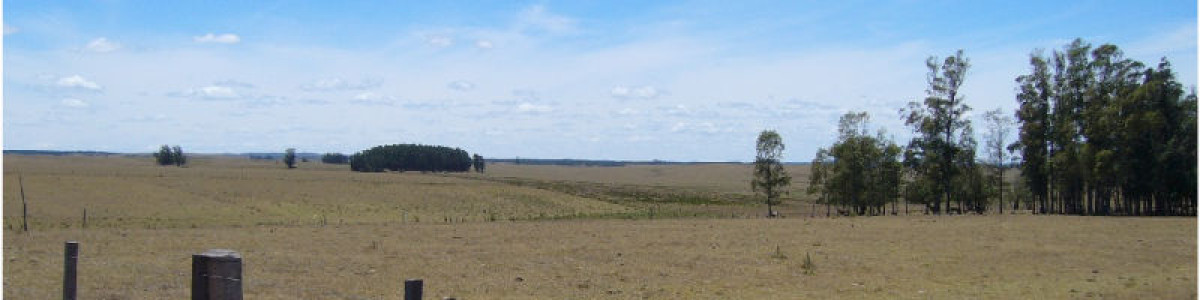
637 80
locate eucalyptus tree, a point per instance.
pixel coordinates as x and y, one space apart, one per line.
770 178
944 143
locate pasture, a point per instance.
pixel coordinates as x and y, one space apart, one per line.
545 232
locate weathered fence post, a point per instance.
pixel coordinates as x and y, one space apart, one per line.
24 206
413 288
217 275
70 267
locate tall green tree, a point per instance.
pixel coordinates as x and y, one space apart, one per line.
770 178
289 158
1103 134
1033 112
944 143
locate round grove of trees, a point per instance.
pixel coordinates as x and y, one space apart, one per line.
410 157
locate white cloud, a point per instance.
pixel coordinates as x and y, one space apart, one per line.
700 127
484 44
539 18
461 85
226 38
527 107
101 45
234 83
10 29
74 103
638 92
78 82
339 84
371 98
213 92
439 41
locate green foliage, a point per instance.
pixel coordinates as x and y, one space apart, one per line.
478 163
944 143
335 158
860 171
168 155
409 157
289 158
770 178
1104 134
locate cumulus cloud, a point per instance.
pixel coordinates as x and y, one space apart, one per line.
77 82
461 85
226 38
10 29
637 92
527 107
339 84
102 45
74 103
484 44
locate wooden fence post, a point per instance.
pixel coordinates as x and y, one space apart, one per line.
24 206
70 268
217 275
413 288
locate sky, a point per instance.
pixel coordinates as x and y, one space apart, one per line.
625 80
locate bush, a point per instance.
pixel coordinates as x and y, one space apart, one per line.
335 158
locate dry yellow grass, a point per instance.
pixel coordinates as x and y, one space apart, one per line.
141 218
132 192
721 178
995 257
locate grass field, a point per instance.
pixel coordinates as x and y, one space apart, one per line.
569 237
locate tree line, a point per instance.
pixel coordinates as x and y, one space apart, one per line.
1098 134
1102 134
410 157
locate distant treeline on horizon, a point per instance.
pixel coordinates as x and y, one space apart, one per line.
521 161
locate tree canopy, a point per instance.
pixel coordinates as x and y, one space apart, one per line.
410 157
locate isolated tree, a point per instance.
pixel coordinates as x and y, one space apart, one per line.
289 158
164 157
478 163
178 157
770 178
995 144
944 143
